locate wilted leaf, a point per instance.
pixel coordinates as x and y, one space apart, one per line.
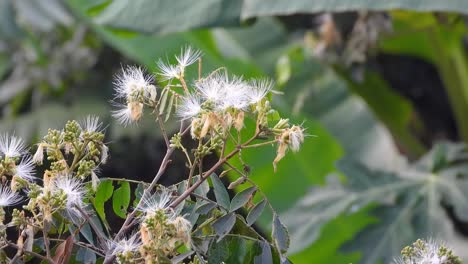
63 251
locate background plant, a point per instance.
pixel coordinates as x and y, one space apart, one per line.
366 109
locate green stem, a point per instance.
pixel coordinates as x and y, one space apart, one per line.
451 63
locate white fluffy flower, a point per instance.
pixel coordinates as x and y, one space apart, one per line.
26 169
8 197
212 88
188 56
124 245
132 79
168 71
156 202
74 190
123 114
11 146
236 94
258 90
424 252
91 124
224 92
189 107
296 137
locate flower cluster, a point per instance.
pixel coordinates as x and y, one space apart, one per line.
216 105
73 155
160 233
428 253
134 87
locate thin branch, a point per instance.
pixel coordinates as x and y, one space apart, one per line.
34 254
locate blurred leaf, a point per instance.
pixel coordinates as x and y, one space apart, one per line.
221 194
121 199
410 204
8 27
186 15
43 15
280 235
265 257
391 108
103 193
223 225
255 213
333 234
241 198
4 64
177 15
255 8
234 249
85 255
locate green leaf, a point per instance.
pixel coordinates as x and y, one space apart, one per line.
223 225
409 203
205 208
203 189
255 8
391 108
241 198
171 16
85 255
265 257
121 199
221 194
280 235
103 193
255 213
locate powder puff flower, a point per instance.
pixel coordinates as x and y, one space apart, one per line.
236 94
91 124
75 191
132 79
212 88
188 56
296 137
26 169
156 202
258 90
423 252
8 197
124 245
127 114
189 107
168 71
12 146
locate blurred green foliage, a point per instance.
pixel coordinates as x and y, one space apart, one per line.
359 117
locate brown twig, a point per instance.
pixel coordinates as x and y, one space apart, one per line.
34 254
